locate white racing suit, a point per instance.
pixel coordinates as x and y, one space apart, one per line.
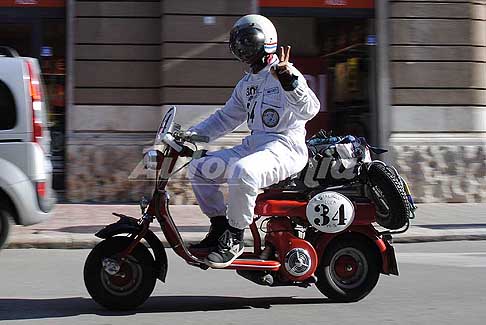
275 149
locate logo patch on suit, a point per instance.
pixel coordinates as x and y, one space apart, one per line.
272 91
270 117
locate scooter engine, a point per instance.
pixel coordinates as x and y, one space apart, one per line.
298 262
297 255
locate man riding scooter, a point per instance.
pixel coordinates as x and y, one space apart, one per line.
276 103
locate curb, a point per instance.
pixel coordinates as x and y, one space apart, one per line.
72 242
439 238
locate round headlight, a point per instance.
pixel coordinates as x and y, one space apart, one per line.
150 160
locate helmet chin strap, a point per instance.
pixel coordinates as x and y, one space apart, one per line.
261 63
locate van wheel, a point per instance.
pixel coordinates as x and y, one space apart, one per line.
4 226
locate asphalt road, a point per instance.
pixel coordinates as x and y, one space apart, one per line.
440 283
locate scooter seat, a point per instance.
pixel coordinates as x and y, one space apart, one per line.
290 204
280 203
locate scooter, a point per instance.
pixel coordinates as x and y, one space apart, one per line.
319 237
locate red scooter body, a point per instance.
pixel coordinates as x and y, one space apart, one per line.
279 204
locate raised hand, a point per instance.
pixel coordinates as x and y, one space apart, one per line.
283 67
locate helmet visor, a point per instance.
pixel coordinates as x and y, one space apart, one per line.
247 43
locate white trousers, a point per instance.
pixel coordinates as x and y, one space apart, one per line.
260 161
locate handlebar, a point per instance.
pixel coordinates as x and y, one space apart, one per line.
199 138
176 140
191 137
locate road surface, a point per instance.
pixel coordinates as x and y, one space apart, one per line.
440 283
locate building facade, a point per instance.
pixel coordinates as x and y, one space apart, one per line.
437 62
409 75
131 60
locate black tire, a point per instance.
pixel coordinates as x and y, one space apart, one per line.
336 282
113 291
388 194
5 218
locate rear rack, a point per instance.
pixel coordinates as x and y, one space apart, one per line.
399 231
8 52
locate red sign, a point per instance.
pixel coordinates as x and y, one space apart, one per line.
314 71
350 4
33 3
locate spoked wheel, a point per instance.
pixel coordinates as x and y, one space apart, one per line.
119 285
382 208
386 190
349 270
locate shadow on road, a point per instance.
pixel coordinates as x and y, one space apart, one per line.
20 308
94 229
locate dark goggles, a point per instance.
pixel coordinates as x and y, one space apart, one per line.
247 43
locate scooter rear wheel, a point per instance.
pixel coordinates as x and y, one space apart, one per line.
130 286
349 270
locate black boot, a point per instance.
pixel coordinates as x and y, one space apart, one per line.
230 247
218 226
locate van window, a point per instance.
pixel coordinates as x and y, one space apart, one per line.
8 114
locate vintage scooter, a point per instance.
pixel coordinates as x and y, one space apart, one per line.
319 237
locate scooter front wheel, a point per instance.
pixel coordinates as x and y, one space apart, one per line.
119 285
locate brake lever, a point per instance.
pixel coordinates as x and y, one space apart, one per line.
200 138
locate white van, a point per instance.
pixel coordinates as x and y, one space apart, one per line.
26 195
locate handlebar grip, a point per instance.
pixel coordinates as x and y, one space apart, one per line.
199 138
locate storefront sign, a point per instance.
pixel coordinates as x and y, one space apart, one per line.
26 2
209 20
46 51
351 4
33 3
371 40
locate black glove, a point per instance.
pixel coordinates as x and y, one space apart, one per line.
288 81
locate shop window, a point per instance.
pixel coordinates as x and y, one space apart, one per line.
8 111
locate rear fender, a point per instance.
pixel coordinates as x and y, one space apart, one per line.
128 225
382 247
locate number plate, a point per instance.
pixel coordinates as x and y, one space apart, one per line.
330 212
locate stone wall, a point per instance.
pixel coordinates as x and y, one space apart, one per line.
99 170
110 169
442 171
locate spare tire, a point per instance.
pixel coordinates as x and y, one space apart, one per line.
387 192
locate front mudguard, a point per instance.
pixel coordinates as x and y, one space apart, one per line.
129 225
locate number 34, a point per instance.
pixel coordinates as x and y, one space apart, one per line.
324 219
